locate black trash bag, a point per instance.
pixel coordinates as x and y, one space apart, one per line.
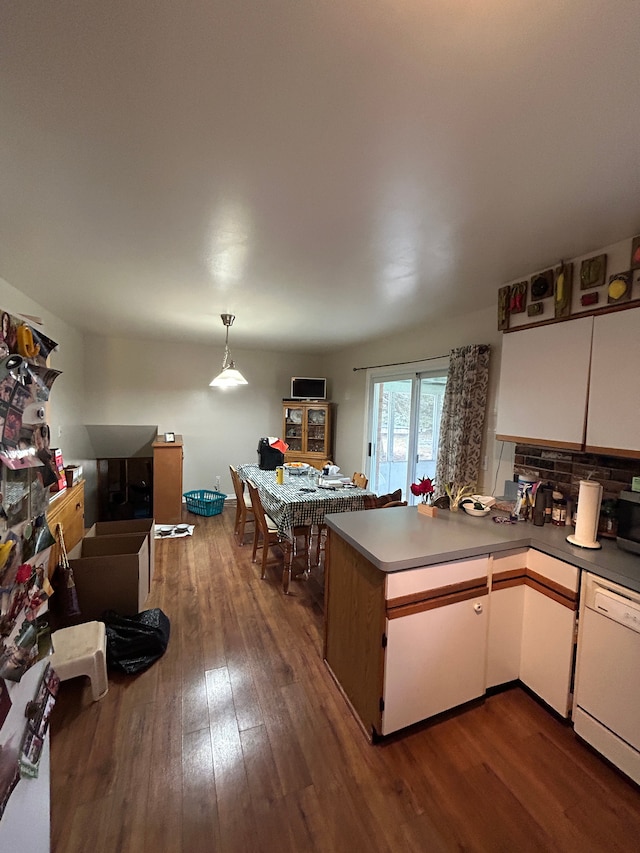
269 457
135 642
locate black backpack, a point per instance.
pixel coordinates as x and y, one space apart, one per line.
269 457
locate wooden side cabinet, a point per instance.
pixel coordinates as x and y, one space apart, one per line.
167 480
67 509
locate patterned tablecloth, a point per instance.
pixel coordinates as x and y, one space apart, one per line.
290 507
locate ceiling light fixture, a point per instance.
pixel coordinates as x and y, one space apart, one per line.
229 377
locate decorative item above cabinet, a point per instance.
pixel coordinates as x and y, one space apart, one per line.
587 285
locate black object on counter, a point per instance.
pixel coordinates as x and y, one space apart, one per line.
539 507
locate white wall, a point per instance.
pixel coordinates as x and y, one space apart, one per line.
118 381
147 382
349 387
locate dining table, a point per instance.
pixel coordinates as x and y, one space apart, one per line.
300 501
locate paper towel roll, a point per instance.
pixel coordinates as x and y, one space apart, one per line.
589 499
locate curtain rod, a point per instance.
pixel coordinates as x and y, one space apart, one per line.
483 348
398 363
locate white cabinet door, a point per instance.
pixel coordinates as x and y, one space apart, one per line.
547 649
505 635
548 629
615 383
508 570
435 660
544 378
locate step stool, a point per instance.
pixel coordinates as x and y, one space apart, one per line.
82 650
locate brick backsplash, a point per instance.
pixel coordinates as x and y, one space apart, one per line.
565 469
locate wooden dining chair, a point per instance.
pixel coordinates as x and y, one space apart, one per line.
244 507
266 536
360 480
383 501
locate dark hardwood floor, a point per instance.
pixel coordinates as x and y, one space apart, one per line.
238 740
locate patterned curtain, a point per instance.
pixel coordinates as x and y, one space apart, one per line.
463 410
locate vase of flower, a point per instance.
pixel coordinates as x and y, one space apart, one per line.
424 490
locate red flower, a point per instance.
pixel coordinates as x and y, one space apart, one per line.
24 573
422 488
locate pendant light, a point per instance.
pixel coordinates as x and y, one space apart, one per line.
229 377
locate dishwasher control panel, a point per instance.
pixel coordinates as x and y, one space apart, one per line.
618 608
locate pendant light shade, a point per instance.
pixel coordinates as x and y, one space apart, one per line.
229 377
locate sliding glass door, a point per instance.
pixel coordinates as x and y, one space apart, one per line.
404 427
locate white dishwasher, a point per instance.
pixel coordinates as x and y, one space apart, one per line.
606 709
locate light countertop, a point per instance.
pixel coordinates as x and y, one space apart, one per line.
400 538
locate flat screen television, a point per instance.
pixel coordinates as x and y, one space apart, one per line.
308 388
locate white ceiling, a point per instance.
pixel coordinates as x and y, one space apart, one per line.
326 170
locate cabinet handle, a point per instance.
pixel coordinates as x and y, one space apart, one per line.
477 607
78 506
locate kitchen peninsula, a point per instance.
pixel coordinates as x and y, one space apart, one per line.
424 614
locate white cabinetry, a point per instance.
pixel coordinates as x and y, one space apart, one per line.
436 632
573 384
548 629
532 622
506 602
547 649
544 380
615 383
407 645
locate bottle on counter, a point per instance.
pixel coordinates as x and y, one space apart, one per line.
559 512
548 502
539 506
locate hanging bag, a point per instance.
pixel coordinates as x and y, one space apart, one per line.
64 582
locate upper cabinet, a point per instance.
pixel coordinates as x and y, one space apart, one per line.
308 432
613 423
544 382
574 384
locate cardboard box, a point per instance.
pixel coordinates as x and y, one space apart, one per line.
111 573
128 526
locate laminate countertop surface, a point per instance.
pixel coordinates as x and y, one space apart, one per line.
400 538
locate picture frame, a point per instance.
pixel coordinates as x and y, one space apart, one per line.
619 288
170 437
518 297
504 299
542 285
562 290
593 272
